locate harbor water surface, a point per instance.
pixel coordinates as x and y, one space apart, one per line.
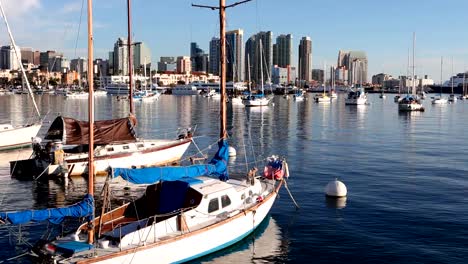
406 174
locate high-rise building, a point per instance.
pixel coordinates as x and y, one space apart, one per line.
36 57
46 59
120 63
234 43
259 49
141 57
198 58
184 64
355 62
282 51
59 64
8 60
305 59
214 56
79 65
27 55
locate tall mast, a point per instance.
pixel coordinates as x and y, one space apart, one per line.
130 58
451 78
222 39
261 64
91 115
441 64
248 71
25 78
222 36
413 90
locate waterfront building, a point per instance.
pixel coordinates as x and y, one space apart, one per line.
141 57
282 51
27 55
8 60
234 43
258 56
184 64
59 64
214 56
167 64
36 57
356 63
341 75
47 58
79 65
168 78
101 67
317 75
198 58
379 79
305 59
120 57
283 76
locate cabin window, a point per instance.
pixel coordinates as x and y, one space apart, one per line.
243 196
213 205
140 145
225 201
126 147
110 149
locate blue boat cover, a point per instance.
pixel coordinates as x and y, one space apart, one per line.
54 215
216 167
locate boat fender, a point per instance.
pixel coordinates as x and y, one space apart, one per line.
259 199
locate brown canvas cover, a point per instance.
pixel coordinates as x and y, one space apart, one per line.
75 132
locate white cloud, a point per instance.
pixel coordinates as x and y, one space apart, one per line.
74 7
17 8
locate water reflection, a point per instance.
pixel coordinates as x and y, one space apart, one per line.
335 203
263 246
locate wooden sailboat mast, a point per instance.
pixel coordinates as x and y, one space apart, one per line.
222 39
130 57
91 115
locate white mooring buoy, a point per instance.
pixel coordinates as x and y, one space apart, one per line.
336 189
232 152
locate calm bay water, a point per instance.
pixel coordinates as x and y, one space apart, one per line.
406 173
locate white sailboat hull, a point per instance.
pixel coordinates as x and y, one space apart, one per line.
257 102
439 101
18 137
198 243
154 152
410 107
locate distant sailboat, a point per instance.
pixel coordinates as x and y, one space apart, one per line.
323 97
440 99
258 99
12 137
452 98
411 102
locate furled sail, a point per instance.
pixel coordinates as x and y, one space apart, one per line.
75 132
53 215
217 167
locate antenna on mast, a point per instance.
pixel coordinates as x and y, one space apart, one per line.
222 39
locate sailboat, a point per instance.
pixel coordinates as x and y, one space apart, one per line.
12 137
357 96
323 97
145 94
332 93
116 145
186 213
258 99
440 99
411 102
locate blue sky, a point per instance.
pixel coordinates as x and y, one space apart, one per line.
381 28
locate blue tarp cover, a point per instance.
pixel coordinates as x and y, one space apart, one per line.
216 167
54 215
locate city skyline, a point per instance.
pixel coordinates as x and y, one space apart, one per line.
383 32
